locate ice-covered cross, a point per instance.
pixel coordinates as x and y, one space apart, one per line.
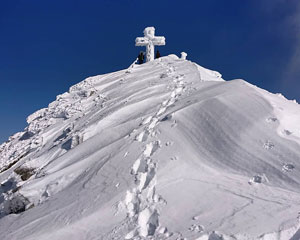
149 40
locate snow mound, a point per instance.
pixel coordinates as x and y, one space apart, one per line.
163 150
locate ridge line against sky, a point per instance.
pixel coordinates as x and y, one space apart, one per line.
48 46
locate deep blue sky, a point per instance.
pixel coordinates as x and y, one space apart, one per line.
48 45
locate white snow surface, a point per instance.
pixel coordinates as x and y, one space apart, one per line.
163 150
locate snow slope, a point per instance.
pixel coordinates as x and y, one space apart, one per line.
163 150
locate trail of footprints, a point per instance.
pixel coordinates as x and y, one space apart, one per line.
268 145
142 202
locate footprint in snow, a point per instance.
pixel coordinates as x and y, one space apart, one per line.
268 145
171 69
159 199
155 133
130 134
171 101
164 103
151 148
196 228
144 179
152 123
163 75
288 167
271 119
164 231
179 77
174 124
147 120
287 132
167 117
118 206
215 236
142 137
161 111
255 179
169 143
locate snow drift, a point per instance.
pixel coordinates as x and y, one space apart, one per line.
163 150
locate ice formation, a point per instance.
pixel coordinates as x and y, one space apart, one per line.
149 40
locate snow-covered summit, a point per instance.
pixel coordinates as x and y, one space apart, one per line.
163 150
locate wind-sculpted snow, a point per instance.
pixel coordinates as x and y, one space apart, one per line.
163 150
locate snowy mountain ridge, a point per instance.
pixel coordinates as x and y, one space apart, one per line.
163 150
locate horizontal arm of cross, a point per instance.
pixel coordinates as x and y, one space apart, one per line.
141 41
159 41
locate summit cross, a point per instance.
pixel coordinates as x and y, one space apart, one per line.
149 40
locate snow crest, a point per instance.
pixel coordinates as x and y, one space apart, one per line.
144 201
163 150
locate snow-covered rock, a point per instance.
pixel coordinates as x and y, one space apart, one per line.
183 55
163 150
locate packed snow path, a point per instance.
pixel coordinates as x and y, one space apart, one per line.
142 201
163 150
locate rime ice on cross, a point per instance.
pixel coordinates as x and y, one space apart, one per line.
149 40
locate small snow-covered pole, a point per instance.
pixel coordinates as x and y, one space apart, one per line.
183 55
150 40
